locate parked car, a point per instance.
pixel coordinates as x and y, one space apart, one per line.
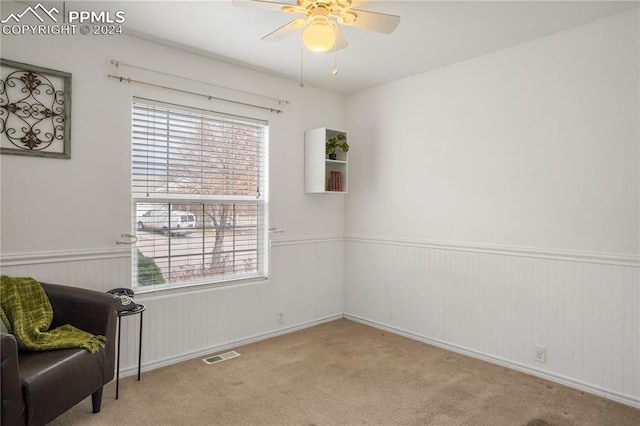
175 222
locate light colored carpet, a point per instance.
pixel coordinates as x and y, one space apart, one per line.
343 372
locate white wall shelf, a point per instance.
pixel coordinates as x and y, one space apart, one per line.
321 174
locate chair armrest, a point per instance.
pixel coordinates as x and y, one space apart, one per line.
88 310
13 409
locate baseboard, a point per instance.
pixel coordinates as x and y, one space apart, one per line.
614 396
199 353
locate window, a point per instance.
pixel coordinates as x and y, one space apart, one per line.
199 196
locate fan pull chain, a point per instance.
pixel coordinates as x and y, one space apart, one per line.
302 67
335 59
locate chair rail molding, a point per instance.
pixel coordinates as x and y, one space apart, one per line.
307 239
617 259
35 258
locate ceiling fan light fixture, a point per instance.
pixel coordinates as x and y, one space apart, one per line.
319 36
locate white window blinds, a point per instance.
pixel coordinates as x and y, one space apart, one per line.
199 190
181 152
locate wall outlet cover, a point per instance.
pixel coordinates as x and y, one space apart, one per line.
541 354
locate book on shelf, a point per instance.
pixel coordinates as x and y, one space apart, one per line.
334 182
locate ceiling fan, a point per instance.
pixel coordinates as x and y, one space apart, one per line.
322 19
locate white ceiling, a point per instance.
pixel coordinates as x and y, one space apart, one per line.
431 34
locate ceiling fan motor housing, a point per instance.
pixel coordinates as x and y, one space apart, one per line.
322 19
335 8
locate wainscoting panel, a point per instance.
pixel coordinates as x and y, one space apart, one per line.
499 304
97 270
305 285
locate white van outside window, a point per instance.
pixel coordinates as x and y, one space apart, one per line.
177 222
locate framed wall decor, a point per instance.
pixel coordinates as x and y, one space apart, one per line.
35 110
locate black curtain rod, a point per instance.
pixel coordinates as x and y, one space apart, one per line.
130 80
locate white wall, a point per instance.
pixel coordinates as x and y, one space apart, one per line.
494 206
532 146
61 218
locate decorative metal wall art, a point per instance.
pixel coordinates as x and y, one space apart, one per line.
35 110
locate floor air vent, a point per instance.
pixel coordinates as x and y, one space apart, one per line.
221 357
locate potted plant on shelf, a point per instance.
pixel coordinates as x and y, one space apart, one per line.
339 141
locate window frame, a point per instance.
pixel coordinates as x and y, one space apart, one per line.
260 200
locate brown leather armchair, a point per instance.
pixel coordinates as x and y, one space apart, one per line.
37 387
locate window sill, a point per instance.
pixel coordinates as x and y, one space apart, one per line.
177 289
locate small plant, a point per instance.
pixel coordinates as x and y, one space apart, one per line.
339 141
148 271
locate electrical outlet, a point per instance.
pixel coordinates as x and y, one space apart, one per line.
541 354
280 318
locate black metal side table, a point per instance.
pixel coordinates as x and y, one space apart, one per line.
138 310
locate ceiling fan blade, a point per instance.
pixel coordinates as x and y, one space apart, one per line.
341 42
285 30
261 4
373 21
